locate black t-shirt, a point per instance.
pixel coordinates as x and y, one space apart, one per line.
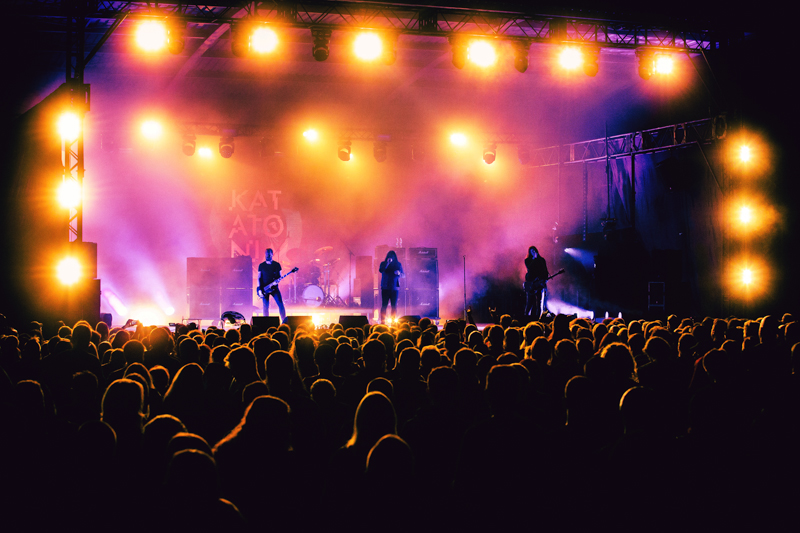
537 269
268 272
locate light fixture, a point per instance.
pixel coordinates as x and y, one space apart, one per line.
263 40
646 64
152 129
490 153
459 139
205 152
663 64
745 214
69 271
322 40
482 53
240 39
521 49
189 144
345 150
570 58
379 151
524 154
311 135
69 194
459 49
368 46
745 154
590 57
151 35
226 147
176 36
69 126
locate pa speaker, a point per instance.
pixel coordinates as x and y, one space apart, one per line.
294 321
236 272
412 319
423 273
262 323
357 321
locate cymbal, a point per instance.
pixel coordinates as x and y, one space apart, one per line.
324 249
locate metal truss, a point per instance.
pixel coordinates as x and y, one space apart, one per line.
658 139
399 18
76 96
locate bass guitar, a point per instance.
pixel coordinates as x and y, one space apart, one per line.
270 287
539 284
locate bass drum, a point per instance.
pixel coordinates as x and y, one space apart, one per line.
313 296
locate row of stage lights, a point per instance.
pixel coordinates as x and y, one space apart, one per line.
253 39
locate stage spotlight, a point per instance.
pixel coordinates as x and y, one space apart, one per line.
745 154
570 58
482 53
490 153
747 276
189 144
152 129
240 39
379 151
459 139
226 147
68 271
521 49
69 126
69 194
524 154
745 214
646 64
151 35
590 57
205 152
322 40
176 37
345 152
459 49
311 135
264 40
663 64
368 46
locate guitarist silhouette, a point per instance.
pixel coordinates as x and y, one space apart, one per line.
268 272
535 283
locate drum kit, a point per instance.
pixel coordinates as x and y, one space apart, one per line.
314 280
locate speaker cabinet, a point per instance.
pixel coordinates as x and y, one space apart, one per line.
364 283
262 323
202 272
204 303
357 321
421 253
236 272
294 321
424 302
401 301
239 300
423 273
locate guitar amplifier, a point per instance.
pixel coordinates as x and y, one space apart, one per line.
204 303
239 300
422 253
236 272
202 271
423 302
423 273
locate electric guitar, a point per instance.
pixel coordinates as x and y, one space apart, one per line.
270 287
537 284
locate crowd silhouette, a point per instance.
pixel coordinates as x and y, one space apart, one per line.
550 425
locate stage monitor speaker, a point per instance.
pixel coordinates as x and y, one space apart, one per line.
236 272
202 272
423 274
262 323
295 321
424 302
204 303
413 319
357 321
421 253
239 300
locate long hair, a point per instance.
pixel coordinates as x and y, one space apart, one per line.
393 255
532 249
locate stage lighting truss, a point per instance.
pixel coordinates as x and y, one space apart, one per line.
490 153
226 147
654 62
345 150
524 154
189 144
